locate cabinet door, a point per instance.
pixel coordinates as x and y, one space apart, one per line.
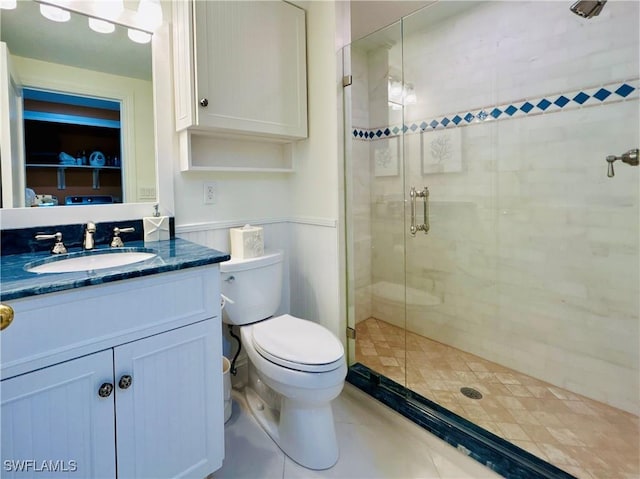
251 67
54 420
170 418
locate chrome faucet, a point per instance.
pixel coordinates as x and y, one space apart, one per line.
88 243
116 241
630 158
58 247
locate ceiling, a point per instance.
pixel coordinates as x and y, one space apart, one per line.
28 34
367 16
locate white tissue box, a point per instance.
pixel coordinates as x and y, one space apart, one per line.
156 228
247 242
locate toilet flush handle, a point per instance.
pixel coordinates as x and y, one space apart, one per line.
230 279
225 300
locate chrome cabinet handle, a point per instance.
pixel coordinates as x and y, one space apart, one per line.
105 390
125 381
204 102
424 194
6 315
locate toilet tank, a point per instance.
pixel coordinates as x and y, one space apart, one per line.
254 285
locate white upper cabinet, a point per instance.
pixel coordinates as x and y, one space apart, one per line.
240 67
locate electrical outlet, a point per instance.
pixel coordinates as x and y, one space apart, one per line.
147 192
210 192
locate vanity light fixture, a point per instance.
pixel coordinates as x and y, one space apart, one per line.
54 13
400 94
146 19
8 4
101 26
106 8
150 13
138 36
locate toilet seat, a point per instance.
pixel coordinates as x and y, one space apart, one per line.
297 344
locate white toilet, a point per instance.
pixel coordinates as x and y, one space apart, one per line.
296 367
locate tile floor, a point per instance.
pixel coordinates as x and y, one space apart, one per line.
375 442
583 437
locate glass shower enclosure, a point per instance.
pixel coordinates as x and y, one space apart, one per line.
493 263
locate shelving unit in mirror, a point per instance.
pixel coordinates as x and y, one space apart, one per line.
72 145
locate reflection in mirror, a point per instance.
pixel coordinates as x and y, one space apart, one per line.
81 110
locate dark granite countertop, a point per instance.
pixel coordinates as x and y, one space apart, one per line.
172 255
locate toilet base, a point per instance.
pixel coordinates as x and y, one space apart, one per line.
305 432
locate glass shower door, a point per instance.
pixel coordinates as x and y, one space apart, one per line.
450 176
375 202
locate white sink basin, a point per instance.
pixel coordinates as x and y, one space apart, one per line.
90 261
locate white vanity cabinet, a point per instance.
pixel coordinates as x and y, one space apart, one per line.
240 67
138 360
55 414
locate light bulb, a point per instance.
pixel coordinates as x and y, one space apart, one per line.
109 8
8 4
54 13
150 13
101 26
410 95
138 36
395 89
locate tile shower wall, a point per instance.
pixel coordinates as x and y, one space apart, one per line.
532 260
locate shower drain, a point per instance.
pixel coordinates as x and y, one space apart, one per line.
471 393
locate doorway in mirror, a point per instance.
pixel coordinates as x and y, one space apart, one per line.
72 149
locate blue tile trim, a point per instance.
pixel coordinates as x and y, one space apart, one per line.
494 452
610 93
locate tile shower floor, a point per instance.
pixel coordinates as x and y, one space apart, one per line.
583 437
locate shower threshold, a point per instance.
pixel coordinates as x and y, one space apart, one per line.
485 447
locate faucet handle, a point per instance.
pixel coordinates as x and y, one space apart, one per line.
610 159
58 247
116 241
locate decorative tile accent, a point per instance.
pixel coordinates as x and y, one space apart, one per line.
610 93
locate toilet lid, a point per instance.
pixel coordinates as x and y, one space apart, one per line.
297 344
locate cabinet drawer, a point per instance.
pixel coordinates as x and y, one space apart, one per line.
60 326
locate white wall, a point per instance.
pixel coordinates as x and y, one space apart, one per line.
302 206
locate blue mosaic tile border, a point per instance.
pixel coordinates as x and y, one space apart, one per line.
610 93
485 447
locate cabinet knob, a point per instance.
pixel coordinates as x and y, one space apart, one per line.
105 390
204 102
6 315
125 382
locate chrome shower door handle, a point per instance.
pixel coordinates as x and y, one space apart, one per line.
424 194
413 193
426 213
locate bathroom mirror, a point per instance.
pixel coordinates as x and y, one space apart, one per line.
73 60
